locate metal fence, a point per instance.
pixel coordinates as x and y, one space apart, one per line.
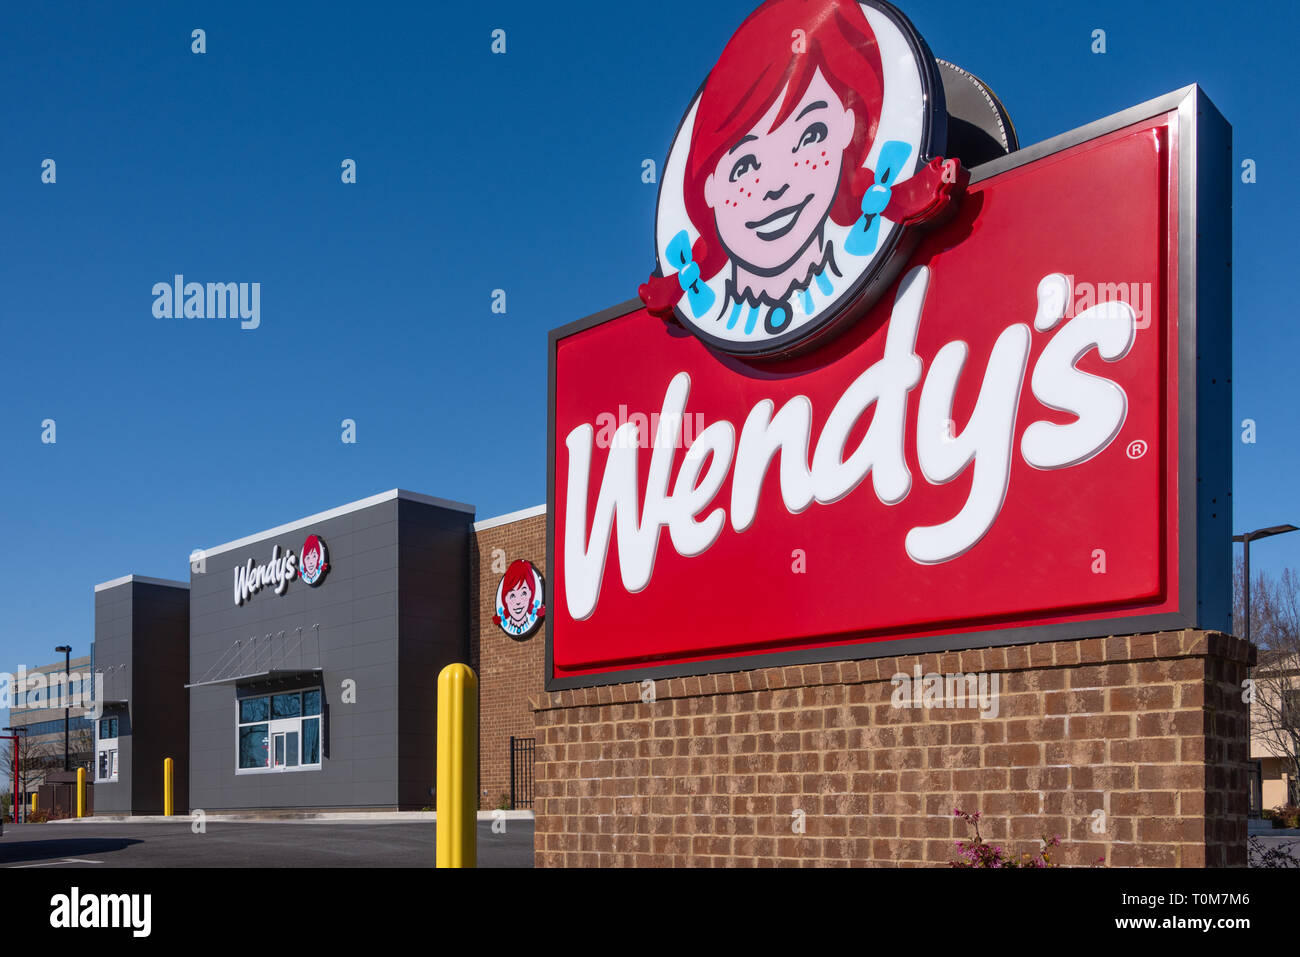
522 751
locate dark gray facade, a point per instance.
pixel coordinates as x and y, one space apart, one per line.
370 636
142 651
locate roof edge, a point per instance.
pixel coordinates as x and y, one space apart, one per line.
509 517
390 495
143 580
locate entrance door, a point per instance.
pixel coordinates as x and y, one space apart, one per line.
284 749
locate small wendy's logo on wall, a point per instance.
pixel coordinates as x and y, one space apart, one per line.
806 156
312 563
521 600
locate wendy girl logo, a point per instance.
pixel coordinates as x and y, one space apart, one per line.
801 166
520 600
313 564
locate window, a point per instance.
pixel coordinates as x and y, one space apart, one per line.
279 732
107 770
56 727
1290 707
106 752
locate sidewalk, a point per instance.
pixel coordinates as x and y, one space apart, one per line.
289 817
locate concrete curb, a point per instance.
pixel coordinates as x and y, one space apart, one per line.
1254 830
291 817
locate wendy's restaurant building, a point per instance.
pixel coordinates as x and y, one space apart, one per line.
297 669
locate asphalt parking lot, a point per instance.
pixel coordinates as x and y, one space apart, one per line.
253 844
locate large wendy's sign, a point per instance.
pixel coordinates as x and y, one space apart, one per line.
988 407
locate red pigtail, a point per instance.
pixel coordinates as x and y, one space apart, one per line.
928 193
661 293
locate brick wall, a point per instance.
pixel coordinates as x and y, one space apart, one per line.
1148 730
510 673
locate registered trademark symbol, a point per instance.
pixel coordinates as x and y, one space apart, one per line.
1136 449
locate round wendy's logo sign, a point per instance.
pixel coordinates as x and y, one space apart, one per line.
312 562
807 156
520 600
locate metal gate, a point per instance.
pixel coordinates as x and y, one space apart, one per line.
521 772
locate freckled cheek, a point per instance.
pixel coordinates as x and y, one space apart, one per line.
731 218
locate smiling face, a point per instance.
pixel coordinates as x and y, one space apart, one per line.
310 562
517 602
771 192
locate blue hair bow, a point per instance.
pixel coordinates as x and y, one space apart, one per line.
698 294
862 238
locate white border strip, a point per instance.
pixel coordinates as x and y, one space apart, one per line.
510 517
336 512
142 580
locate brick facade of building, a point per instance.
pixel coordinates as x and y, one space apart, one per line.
511 673
1131 749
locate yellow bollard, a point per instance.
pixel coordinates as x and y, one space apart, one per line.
168 794
81 792
457 767
33 803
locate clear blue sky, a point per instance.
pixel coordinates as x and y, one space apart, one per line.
475 172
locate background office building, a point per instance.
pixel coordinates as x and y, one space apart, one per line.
38 710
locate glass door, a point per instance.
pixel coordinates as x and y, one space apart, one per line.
284 749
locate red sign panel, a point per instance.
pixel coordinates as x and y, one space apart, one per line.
1000 450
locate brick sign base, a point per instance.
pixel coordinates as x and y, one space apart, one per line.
1131 748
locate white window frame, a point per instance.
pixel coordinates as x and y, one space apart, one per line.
109 745
276 726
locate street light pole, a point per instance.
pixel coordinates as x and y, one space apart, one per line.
67 665
1245 539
